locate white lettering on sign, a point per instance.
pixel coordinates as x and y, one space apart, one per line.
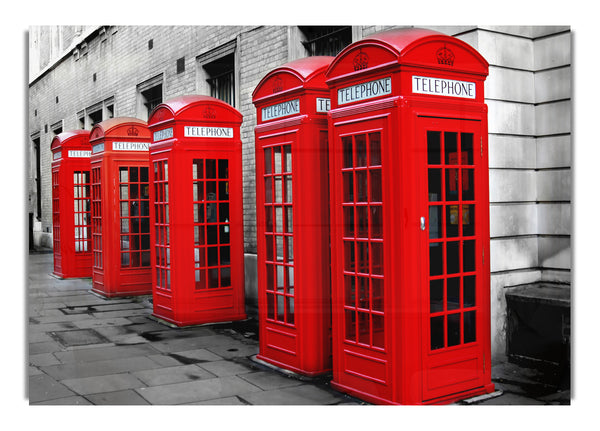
289 107
323 105
79 153
366 90
131 146
207 132
57 155
443 87
161 135
98 148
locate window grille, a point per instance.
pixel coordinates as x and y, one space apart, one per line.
221 78
326 40
152 98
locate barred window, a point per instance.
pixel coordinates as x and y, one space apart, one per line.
217 73
221 78
149 96
326 40
95 117
152 98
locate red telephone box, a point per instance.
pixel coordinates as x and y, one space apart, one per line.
292 216
71 213
198 235
120 208
410 219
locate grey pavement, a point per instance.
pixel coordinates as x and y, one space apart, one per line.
86 350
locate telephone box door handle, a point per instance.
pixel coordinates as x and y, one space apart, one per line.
422 223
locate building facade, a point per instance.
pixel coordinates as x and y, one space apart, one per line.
81 75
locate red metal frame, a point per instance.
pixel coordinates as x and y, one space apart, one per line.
292 217
196 197
71 213
392 94
120 208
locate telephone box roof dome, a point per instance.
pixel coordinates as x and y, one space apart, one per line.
400 39
304 72
128 127
63 137
306 66
408 47
194 107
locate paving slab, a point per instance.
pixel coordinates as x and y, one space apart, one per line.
110 331
199 342
33 371
63 318
53 291
46 302
121 313
67 401
106 307
511 399
235 350
268 380
202 390
40 311
131 339
169 333
195 356
125 337
44 347
165 360
78 337
37 337
141 325
297 395
105 353
169 375
226 368
509 387
227 401
43 387
107 383
43 359
100 368
148 319
90 346
85 299
36 328
102 322
127 397
34 294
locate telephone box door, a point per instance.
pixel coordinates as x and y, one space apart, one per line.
455 232
360 259
277 247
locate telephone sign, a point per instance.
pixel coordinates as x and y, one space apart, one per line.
443 87
364 91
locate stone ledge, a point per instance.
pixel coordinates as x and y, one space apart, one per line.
541 292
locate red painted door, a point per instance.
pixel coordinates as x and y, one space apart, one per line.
277 268
455 232
360 251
